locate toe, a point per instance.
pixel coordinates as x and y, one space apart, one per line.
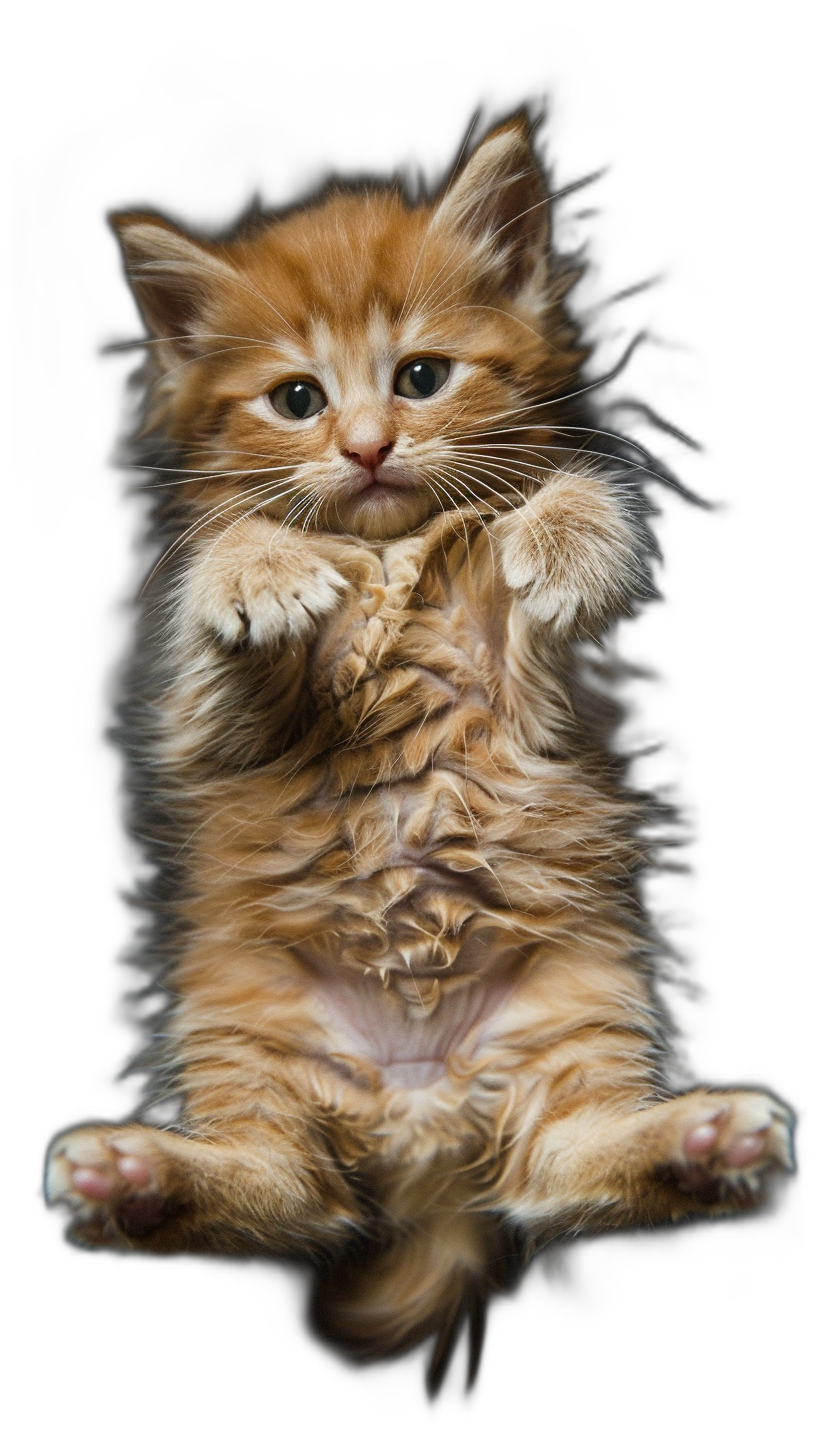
92 1183
136 1171
745 1150
700 1139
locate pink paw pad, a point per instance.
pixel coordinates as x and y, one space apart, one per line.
728 1147
134 1170
99 1184
113 1180
92 1183
701 1139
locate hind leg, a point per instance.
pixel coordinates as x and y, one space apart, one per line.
608 1165
239 1187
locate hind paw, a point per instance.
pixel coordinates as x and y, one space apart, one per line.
114 1181
725 1145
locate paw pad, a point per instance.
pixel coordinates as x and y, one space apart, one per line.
112 1190
731 1144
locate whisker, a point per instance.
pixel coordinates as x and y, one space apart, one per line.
477 500
194 478
124 345
457 508
478 461
588 430
575 450
259 505
208 519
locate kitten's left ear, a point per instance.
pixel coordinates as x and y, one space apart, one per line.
499 200
175 279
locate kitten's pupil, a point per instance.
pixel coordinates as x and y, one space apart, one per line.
298 399
423 377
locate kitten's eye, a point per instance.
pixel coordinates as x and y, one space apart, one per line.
297 399
421 378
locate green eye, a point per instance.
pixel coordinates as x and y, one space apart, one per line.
422 378
297 399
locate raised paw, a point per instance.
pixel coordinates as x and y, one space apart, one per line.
268 614
724 1145
261 586
115 1182
573 553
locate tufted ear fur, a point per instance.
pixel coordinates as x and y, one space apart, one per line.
174 280
499 200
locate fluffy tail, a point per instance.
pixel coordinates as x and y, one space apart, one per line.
433 1278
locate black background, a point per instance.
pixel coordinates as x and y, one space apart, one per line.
673 147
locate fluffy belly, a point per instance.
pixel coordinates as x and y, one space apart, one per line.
418 886
371 1028
423 902
421 882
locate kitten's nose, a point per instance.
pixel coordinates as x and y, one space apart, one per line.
367 453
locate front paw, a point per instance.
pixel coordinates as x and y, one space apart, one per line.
267 608
265 587
574 553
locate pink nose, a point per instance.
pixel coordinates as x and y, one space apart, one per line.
367 454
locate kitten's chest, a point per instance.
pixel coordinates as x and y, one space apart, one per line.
410 643
402 673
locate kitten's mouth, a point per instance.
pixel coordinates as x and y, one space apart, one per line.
383 505
379 489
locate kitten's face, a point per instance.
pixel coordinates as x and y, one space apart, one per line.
362 363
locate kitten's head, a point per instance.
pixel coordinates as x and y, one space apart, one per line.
363 361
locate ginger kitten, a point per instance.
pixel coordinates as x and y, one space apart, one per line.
410 1018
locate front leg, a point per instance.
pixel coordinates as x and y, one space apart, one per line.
575 555
248 604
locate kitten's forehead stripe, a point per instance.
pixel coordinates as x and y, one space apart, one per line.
344 273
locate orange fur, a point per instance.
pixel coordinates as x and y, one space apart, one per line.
412 1023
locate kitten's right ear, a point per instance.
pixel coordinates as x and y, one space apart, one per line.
499 201
174 279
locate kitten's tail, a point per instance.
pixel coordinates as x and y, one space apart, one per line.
430 1279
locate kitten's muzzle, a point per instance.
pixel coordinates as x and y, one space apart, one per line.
368 455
